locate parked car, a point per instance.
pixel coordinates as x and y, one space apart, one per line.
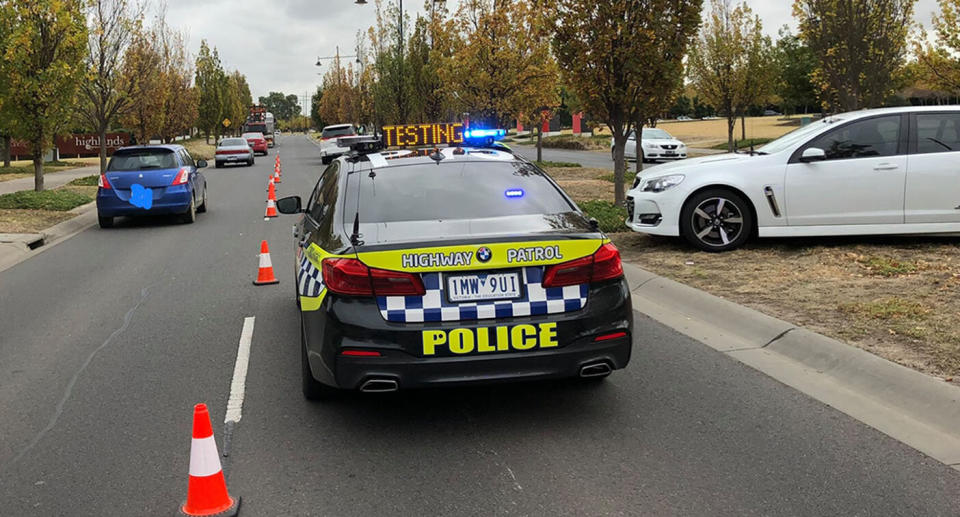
151 180
872 172
257 142
771 113
657 144
328 141
233 150
684 118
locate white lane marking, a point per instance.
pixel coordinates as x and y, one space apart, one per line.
238 385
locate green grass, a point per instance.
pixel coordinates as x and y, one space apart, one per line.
56 200
887 267
609 216
577 143
628 177
744 144
889 308
86 181
547 163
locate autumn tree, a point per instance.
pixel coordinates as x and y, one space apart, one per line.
389 89
105 92
315 101
340 96
43 65
6 119
941 60
612 55
238 100
179 107
143 75
730 65
859 44
501 66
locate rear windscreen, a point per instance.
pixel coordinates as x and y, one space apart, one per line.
466 190
142 160
337 131
233 142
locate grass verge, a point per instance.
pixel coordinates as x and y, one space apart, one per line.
609 215
59 200
86 181
566 165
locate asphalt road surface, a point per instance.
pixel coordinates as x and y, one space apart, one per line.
108 339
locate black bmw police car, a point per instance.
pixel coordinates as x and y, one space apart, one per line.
453 264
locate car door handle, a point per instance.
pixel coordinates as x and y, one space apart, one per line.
886 167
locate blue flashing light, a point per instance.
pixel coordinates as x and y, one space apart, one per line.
496 134
514 193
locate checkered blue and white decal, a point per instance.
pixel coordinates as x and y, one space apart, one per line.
309 279
434 306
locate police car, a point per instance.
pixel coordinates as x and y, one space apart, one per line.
433 256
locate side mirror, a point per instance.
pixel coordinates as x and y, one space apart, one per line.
813 154
289 205
201 164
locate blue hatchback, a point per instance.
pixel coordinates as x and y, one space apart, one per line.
151 180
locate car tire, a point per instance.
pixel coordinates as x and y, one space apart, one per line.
105 222
325 160
313 389
701 226
250 162
217 165
191 214
203 206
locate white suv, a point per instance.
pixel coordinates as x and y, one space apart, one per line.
328 141
872 172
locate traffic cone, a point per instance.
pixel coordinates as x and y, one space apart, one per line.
276 174
271 209
206 490
265 271
271 192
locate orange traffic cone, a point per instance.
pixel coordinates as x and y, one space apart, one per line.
271 192
271 209
265 271
206 490
276 174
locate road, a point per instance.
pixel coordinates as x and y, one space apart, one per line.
109 338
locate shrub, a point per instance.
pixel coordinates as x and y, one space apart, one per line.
57 200
609 215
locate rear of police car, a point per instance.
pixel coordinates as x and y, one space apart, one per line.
469 265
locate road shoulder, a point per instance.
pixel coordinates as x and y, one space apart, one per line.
914 408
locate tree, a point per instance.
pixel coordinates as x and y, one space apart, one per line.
389 90
44 64
941 61
501 67
142 73
106 91
317 120
340 101
859 44
730 65
614 53
796 64
179 107
6 119
281 105
238 100
210 82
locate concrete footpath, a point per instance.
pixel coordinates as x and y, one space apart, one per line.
916 409
51 180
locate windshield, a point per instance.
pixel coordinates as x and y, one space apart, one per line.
142 160
233 142
796 136
337 131
655 134
252 135
466 190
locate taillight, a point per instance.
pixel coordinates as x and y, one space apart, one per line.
350 276
360 353
602 265
182 176
103 182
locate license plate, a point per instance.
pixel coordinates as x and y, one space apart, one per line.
480 286
669 153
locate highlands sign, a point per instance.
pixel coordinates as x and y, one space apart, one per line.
75 145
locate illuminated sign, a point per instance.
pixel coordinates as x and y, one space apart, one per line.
415 135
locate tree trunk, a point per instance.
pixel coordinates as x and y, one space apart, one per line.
103 149
6 150
639 149
619 165
540 143
38 165
743 128
731 123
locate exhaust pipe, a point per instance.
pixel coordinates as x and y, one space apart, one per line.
595 370
379 386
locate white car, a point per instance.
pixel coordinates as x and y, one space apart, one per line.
328 141
657 144
873 172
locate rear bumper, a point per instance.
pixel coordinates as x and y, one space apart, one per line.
356 324
172 200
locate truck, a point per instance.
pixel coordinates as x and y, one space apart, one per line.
259 120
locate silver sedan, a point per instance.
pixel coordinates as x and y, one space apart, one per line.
233 150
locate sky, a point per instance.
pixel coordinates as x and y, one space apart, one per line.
276 43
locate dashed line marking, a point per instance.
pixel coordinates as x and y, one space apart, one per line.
238 385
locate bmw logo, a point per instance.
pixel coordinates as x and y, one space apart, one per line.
484 254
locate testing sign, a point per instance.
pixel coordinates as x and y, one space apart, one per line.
414 135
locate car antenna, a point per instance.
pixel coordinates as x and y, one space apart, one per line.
355 237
